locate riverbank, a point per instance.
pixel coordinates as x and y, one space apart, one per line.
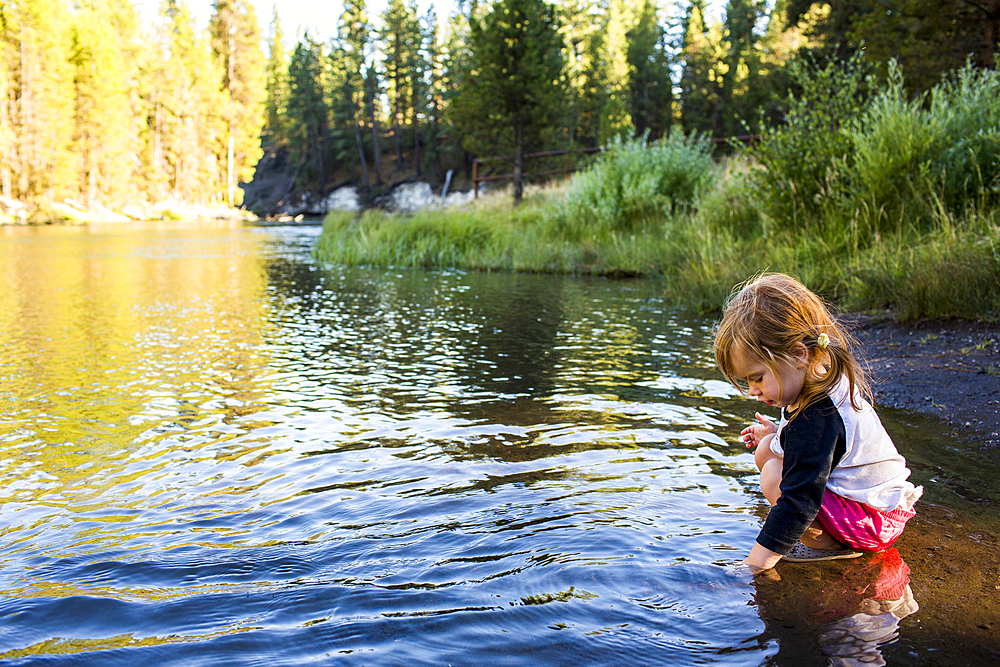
72 212
946 369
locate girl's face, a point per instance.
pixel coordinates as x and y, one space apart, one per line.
777 387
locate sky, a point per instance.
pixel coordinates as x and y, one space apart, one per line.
319 17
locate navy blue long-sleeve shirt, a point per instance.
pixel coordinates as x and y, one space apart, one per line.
813 442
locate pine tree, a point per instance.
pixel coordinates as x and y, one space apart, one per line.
456 56
353 45
276 107
373 107
400 37
307 113
424 31
236 45
700 79
433 96
739 91
515 83
188 129
616 118
583 27
651 89
8 114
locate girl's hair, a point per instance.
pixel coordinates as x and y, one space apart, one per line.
768 317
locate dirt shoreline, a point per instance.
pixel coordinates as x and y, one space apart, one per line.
948 369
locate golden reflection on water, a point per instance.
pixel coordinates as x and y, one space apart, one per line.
164 332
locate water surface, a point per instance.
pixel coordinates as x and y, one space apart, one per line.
215 450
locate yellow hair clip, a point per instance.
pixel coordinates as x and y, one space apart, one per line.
822 341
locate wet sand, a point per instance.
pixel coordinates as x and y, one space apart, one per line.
950 557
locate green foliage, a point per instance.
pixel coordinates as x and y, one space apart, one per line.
966 107
650 86
632 181
275 130
803 160
730 207
881 163
307 112
699 86
512 93
927 37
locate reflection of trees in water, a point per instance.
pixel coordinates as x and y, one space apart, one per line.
513 367
122 341
835 613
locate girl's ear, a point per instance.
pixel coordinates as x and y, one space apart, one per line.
801 355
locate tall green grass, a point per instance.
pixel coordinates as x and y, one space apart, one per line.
898 208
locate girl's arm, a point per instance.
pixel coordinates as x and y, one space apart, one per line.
814 443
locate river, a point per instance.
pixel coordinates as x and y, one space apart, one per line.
216 450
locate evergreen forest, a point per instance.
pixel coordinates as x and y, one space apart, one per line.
101 108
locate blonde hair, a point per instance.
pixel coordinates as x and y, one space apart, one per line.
768 317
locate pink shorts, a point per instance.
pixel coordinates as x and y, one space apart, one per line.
859 526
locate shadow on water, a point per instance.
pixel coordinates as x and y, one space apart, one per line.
217 450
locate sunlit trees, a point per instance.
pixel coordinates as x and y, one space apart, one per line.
616 117
40 98
401 40
741 86
236 42
927 37
700 83
650 85
104 136
191 108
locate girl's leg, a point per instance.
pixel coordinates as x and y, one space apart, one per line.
769 465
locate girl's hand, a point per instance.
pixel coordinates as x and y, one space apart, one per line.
753 434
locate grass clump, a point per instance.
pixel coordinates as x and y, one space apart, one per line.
872 199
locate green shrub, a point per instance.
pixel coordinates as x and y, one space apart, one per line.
893 173
632 182
730 204
967 107
802 161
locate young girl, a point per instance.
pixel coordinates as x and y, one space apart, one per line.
835 481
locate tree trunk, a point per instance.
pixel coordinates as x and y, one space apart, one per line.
416 134
357 137
376 157
518 161
395 117
992 33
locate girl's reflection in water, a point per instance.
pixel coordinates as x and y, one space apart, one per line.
835 613
878 591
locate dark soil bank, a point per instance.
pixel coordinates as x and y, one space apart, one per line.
946 369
